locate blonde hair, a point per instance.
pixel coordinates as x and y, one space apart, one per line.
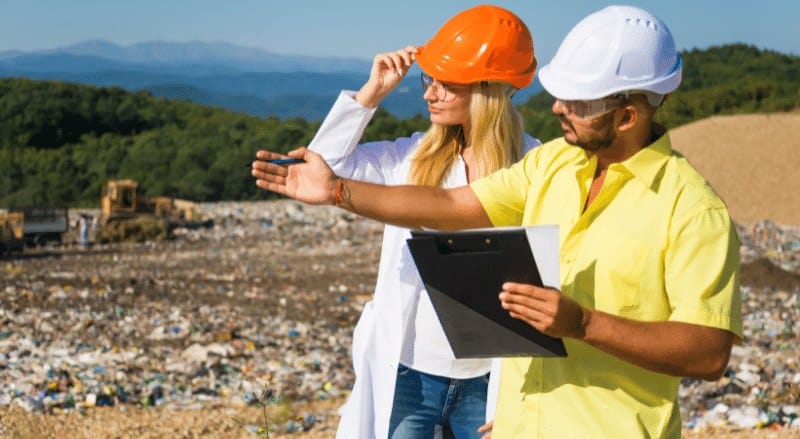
496 137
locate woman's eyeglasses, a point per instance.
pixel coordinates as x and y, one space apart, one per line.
444 93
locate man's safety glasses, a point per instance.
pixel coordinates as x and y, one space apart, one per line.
593 108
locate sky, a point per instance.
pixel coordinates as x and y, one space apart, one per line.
363 28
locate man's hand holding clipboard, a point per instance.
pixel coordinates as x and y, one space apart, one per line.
463 272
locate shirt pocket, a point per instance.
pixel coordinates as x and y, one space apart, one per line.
620 275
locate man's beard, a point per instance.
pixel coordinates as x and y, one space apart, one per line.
599 139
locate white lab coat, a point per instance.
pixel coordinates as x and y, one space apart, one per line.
379 333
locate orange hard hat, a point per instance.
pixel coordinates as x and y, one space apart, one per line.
484 43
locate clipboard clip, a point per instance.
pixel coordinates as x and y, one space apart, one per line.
467 244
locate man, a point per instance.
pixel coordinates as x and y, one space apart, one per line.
649 255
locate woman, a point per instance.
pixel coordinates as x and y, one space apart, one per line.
408 383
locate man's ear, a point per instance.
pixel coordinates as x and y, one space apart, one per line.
629 117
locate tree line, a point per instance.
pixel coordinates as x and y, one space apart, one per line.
59 142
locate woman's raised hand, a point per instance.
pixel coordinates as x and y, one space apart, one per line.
388 69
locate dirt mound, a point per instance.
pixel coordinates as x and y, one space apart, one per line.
751 161
764 274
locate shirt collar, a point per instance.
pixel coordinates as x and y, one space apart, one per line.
646 164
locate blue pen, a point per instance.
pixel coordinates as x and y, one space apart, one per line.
286 161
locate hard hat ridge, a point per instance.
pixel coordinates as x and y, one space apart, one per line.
483 43
616 49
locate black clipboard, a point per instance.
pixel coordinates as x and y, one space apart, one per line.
463 272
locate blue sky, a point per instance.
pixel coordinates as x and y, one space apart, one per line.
361 28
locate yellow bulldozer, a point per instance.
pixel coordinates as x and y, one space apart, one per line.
11 233
127 215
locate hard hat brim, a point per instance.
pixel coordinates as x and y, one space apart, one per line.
573 89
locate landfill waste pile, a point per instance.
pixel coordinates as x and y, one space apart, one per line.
257 313
761 387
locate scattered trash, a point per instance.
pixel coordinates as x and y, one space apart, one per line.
259 311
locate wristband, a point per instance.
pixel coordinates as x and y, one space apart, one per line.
337 196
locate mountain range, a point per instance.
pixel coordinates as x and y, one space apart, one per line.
242 79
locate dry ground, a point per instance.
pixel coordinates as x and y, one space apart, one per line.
225 422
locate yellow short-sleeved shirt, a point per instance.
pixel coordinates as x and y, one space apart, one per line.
657 244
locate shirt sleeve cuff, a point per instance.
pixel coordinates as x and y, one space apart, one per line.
342 128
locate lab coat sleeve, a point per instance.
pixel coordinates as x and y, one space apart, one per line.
337 142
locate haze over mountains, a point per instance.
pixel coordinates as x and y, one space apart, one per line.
247 80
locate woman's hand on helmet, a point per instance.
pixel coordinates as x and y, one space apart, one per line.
388 69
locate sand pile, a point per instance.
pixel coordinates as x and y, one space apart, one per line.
751 161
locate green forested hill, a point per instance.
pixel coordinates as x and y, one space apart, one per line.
59 142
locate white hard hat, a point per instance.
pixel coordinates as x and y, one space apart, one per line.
616 49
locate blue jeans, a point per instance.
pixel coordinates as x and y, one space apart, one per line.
423 401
